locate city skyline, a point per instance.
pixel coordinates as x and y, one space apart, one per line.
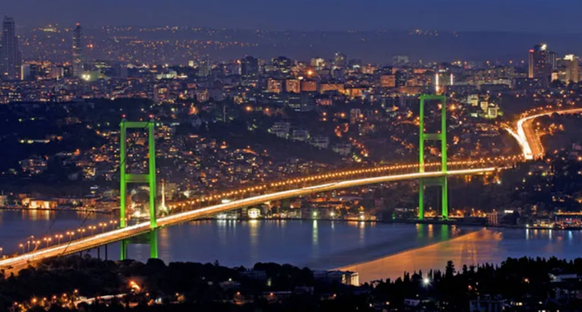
366 139
517 16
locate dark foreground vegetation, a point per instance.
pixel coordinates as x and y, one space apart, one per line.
86 284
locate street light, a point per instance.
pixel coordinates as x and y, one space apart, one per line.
22 246
426 281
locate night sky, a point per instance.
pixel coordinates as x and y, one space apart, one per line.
504 15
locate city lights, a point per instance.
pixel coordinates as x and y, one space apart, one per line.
120 135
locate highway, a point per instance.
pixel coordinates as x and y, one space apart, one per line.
22 261
526 136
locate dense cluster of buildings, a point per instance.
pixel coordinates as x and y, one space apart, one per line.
339 106
299 85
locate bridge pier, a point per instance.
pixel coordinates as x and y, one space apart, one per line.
445 198
153 244
421 199
123 254
150 239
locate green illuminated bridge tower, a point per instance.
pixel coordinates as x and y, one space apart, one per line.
149 178
442 137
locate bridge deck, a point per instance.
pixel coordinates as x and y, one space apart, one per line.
101 239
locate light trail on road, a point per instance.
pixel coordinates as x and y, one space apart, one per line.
526 136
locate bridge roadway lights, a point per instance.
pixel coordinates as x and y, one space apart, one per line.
442 137
149 178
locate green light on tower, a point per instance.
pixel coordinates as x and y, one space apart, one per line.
149 178
442 137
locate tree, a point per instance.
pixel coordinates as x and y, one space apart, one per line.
450 270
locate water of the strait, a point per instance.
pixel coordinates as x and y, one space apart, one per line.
374 250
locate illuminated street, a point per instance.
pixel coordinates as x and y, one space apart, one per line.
286 156
526 135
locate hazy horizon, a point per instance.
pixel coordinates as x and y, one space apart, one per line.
532 16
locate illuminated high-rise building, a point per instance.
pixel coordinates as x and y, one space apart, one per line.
10 57
293 85
282 64
308 85
274 85
204 67
339 60
318 63
552 60
78 51
572 68
388 81
541 62
249 67
25 72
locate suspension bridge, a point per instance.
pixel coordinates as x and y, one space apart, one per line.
428 174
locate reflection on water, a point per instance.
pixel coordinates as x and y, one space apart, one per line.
39 215
16 226
472 248
253 238
35 215
484 246
314 237
374 250
316 244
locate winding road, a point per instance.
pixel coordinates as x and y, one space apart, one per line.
526 136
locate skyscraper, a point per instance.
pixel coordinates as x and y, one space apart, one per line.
282 65
339 60
78 51
10 57
204 67
552 60
249 67
541 62
572 67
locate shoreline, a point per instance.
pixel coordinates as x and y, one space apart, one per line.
55 210
415 222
